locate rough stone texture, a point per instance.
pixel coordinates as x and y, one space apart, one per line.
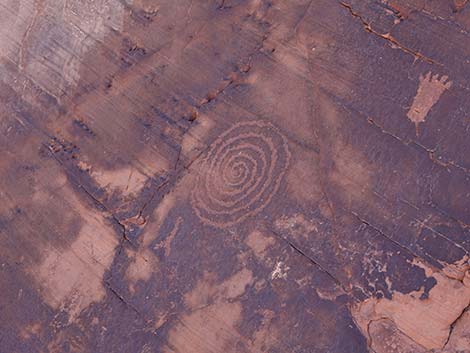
197 176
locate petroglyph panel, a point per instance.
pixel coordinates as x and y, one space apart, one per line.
430 89
234 176
241 173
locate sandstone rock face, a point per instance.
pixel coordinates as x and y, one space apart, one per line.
208 176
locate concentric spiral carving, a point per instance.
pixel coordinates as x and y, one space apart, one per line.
240 174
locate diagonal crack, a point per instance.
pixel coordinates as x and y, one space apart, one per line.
226 83
124 237
39 8
311 260
140 214
440 161
122 299
445 163
452 325
401 246
388 37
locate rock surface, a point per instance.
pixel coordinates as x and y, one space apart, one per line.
234 176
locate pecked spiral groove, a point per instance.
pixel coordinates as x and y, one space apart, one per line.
240 174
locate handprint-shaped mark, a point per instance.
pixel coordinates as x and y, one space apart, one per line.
429 91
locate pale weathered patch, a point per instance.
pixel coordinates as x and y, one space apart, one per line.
296 225
425 321
259 243
71 279
126 181
61 339
166 244
429 91
207 289
457 269
268 333
31 330
153 162
236 285
459 340
18 18
280 271
389 339
212 324
193 140
48 39
211 329
351 172
159 215
143 264
303 177
77 27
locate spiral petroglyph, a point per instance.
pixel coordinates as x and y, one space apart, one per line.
240 174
